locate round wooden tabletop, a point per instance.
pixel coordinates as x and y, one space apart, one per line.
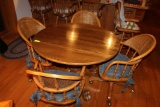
76 44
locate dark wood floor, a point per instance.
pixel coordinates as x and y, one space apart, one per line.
14 83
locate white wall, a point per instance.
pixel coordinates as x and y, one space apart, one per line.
22 8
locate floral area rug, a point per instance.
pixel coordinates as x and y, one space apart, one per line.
16 49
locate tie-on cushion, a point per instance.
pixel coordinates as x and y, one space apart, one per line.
134 25
28 61
110 72
130 25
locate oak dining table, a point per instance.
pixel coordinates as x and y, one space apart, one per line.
76 44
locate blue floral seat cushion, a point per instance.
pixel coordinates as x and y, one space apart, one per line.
120 57
58 96
110 72
28 61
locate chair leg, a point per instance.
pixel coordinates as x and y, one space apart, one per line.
30 78
49 17
33 15
132 88
86 95
94 71
66 19
132 34
43 19
110 93
57 20
123 35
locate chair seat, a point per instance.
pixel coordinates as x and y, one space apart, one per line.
58 97
135 27
42 8
110 72
29 62
64 12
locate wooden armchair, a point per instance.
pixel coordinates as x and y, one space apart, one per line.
122 66
63 9
27 28
128 27
85 17
58 87
40 10
94 6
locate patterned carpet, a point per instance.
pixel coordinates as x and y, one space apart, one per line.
16 49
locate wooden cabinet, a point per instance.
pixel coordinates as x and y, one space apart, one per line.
9 15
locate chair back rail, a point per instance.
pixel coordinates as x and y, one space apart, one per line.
94 6
85 17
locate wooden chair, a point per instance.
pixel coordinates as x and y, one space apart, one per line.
63 9
128 27
121 67
86 17
40 10
58 87
94 6
27 28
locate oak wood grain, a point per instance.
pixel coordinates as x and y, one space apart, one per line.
76 44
